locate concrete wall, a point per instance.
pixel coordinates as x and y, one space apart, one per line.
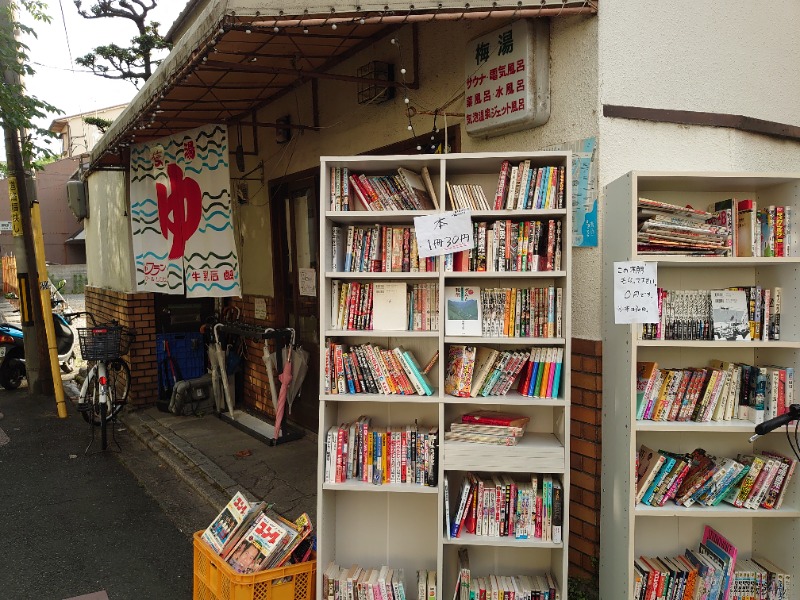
75 276
711 57
109 253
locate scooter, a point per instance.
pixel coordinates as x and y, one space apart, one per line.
12 350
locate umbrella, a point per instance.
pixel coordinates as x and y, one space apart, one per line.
269 363
285 379
219 358
299 369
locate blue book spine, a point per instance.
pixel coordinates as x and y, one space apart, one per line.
669 462
534 372
423 380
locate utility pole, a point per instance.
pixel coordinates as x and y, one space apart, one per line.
39 379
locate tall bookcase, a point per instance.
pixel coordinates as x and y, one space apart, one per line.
403 525
629 530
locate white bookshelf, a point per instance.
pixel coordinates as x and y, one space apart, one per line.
628 530
403 525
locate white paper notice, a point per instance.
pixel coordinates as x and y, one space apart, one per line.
308 282
635 294
260 308
443 233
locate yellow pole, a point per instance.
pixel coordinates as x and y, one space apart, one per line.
47 311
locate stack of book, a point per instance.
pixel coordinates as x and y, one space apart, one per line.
384 306
748 481
715 570
251 537
510 246
521 587
480 371
377 249
503 312
363 582
469 196
501 506
405 190
733 314
769 231
359 451
669 229
488 427
525 187
721 392
370 369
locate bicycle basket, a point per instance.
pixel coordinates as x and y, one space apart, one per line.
101 342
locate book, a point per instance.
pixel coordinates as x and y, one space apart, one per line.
460 366
389 306
649 463
729 314
415 184
493 417
255 548
463 311
227 521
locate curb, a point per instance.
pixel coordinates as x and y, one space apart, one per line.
203 475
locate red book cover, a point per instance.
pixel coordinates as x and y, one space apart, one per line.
494 417
340 444
502 185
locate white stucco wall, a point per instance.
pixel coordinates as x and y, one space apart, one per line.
723 57
349 128
109 258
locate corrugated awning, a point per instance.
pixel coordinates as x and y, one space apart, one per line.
241 55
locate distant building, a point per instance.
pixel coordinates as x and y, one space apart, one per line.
77 136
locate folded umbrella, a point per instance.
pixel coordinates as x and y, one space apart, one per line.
285 379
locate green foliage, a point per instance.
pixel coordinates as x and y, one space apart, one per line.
136 62
585 588
100 123
17 110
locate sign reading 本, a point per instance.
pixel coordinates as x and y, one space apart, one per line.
499 80
635 293
443 233
308 282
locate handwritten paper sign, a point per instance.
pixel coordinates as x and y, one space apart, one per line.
443 233
260 308
635 294
308 282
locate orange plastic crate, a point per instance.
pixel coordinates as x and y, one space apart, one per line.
214 579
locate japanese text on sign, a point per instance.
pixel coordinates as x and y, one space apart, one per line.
443 233
16 214
498 78
635 295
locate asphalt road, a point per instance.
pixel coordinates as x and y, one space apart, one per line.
74 523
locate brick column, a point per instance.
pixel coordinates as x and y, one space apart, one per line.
257 395
137 311
584 524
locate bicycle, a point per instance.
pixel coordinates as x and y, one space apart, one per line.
105 390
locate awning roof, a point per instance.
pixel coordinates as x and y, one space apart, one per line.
240 55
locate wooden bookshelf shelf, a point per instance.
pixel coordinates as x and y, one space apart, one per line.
407 520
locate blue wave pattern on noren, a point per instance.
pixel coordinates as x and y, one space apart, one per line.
153 254
192 285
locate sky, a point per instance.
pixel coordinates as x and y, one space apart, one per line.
62 82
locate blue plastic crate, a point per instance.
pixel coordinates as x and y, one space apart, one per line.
187 350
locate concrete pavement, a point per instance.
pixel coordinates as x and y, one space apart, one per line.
216 459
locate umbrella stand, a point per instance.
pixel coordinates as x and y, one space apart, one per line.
290 366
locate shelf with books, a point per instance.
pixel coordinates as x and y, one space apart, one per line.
735 313
541 303
709 512
469 539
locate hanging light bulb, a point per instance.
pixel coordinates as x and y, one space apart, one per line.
410 128
333 25
305 29
362 20
276 29
248 31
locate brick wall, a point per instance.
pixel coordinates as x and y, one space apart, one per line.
256 384
137 312
585 456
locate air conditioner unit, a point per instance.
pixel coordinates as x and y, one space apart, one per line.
78 199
